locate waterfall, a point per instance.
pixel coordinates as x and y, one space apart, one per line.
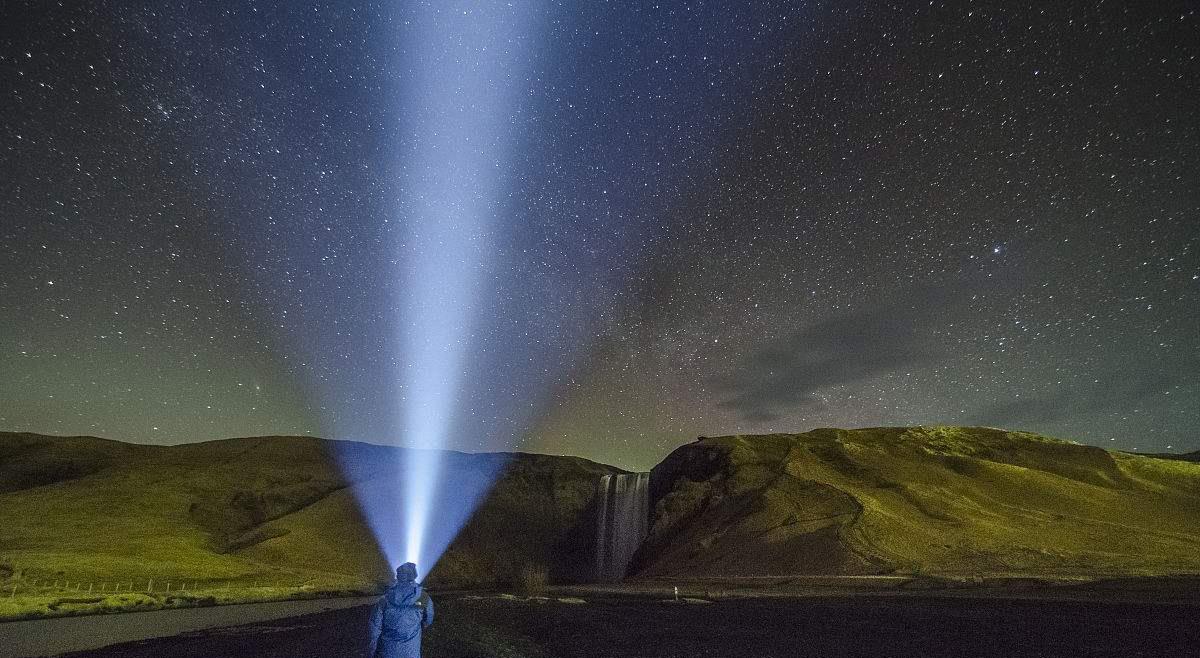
622 522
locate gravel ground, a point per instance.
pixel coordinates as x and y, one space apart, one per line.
633 627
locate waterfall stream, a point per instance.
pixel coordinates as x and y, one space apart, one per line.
622 522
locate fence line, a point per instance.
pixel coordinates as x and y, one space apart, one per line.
67 586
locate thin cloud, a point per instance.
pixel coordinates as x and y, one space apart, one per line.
787 374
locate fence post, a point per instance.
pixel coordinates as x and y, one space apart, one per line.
150 586
90 587
168 587
14 593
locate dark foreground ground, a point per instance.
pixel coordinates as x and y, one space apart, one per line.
628 627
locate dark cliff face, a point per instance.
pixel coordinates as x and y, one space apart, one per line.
696 462
726 507
539 516
682 486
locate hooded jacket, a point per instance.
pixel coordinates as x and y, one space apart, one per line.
397 620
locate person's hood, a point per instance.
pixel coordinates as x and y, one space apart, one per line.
403 593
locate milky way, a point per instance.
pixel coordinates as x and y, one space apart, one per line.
719 219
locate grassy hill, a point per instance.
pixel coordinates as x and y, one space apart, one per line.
954 501
254 518
275 517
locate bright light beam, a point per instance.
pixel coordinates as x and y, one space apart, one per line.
460 105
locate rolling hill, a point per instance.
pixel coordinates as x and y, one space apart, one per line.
264 511
924 500
273 517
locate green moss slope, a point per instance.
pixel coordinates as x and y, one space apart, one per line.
934 500
275 513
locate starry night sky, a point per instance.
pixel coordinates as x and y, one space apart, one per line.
715 218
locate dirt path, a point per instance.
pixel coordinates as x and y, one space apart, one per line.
41 637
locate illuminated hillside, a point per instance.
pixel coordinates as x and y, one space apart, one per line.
934 500
268 511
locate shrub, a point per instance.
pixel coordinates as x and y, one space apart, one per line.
531 580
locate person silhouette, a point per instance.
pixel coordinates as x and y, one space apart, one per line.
398 617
